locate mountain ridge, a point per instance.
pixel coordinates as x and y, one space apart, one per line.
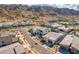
51 9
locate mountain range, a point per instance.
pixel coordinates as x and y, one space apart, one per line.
18 10
59 9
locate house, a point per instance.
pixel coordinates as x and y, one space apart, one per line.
22 23
77 33
7 38
67 41
6 25
65 28
15 24
15 48
70 43
53 25
29 22
65 44
40 30
0 26
66 23
76 21
53 37
75 45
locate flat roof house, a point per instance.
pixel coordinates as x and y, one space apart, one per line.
23 23
65 29
53 25
76 21
14 48
5 25
75 45
41 30
53 37
70 43
7 38
66 42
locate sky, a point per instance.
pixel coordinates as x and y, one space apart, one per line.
38 2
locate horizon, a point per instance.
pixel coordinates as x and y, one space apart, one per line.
69 6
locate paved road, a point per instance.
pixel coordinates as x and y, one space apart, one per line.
37 47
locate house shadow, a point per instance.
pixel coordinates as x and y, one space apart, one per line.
63 50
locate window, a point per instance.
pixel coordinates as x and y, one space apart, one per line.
36 43
50 41
3 42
